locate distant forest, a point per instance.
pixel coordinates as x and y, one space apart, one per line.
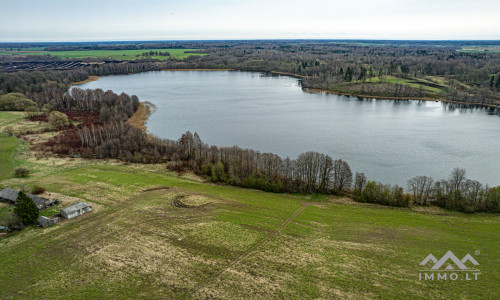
388 69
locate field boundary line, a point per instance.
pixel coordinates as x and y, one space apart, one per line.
248 252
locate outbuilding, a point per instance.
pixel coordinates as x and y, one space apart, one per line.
46 222
75 210
10 196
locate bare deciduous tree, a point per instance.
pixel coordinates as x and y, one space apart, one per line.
342 175
421 187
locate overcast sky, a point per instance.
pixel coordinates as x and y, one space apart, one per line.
96 20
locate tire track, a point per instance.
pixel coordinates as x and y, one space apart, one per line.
247 252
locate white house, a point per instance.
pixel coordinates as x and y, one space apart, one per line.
75 210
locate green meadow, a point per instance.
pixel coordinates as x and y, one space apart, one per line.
156 234
480 48
424 84
7 144
111 54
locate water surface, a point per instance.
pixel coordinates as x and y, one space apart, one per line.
391 141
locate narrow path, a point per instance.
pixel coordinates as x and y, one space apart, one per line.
247 252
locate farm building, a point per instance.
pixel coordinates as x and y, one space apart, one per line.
10 196
46 222
75 210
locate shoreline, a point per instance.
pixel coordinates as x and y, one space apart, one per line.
90 79
198 70
289 74
141 116
317 91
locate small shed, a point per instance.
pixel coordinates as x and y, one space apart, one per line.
46 222
10 196
75 210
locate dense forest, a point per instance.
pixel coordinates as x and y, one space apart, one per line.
99 127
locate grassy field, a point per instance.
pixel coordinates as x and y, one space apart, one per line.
111 54
480 48
156 234
7 145
11 118
421 83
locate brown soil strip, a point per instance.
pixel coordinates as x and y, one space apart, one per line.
249 251
90 79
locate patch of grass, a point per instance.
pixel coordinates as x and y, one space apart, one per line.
19 122
420 83
49 212
480 49
5 211
9 118
7 145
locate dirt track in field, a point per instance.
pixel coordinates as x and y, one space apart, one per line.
247 252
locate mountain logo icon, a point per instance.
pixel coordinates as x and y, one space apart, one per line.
449 256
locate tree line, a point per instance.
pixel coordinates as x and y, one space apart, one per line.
422 70
455 193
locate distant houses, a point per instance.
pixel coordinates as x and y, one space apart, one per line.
70 212
75 210
10 196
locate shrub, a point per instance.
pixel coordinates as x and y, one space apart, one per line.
37 190
58 119
26 209
214 171
21 172
493 199
15 101
207 169
32 111
9 130
217 172
375 192
46 108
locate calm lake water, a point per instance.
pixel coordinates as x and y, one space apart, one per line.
391 141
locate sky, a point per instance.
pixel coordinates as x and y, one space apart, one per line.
120 20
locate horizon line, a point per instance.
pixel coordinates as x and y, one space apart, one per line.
252 39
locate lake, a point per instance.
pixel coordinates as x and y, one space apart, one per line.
390 141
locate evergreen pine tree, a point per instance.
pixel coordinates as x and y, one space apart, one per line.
26 209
